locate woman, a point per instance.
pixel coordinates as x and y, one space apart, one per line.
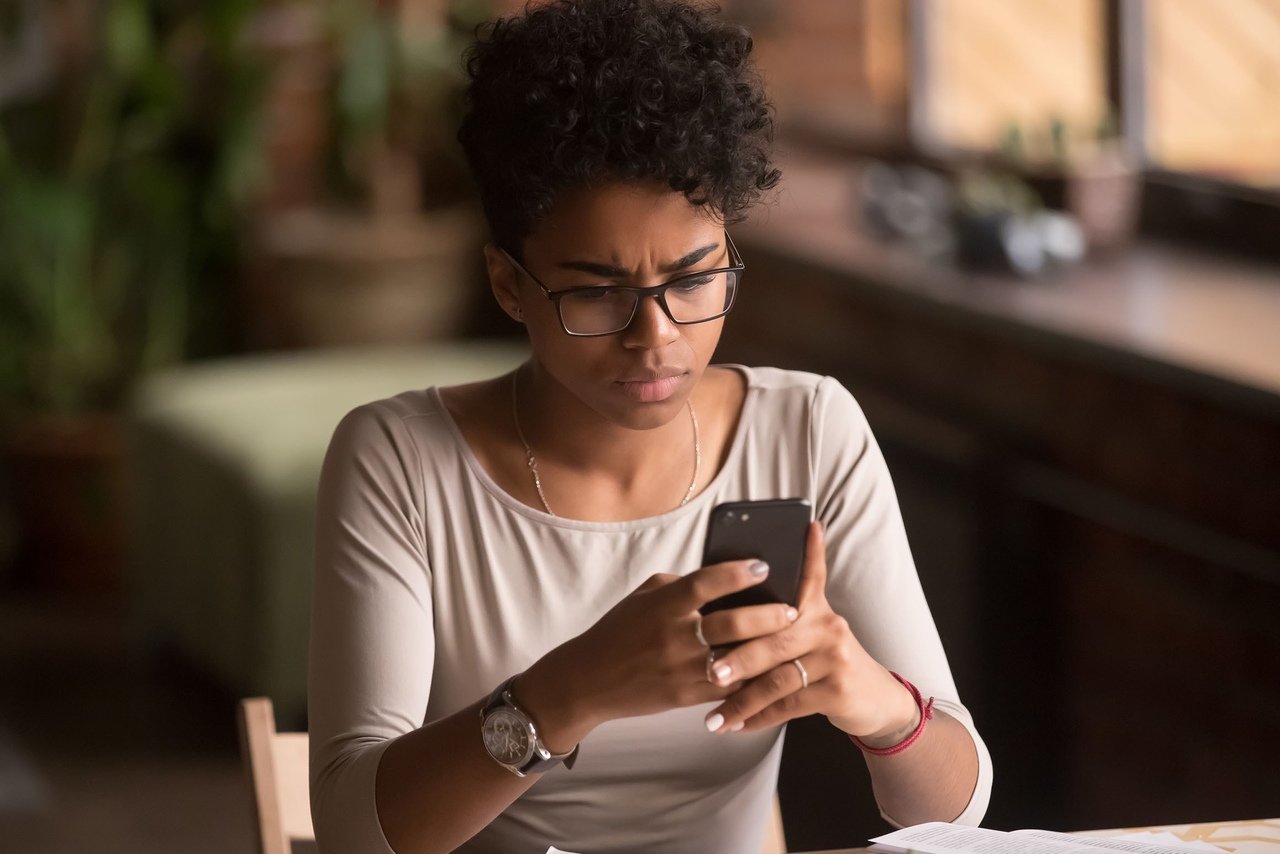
547 525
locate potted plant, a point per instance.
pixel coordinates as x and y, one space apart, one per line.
1090 176
391 255
105 200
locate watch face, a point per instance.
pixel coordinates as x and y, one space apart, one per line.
506 737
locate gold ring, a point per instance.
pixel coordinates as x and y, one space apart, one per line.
804 674
711 662
697 630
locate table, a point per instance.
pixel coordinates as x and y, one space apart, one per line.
1250 836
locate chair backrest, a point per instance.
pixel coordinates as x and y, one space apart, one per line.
774 840
276 764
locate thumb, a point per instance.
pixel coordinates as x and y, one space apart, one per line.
814 585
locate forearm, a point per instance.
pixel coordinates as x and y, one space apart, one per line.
438 786
933 780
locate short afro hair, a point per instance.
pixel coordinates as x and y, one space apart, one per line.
577 92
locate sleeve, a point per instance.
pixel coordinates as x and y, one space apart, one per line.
872 580
372 642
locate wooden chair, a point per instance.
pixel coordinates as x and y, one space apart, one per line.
276 763
775 842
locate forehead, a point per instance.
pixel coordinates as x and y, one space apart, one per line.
622 222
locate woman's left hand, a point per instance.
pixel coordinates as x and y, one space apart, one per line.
845 683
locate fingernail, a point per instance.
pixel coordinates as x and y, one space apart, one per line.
722 672
738 726
792 614
714 722
759 569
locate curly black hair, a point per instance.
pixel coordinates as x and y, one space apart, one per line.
575 92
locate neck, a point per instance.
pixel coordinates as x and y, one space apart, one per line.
565 432
584 453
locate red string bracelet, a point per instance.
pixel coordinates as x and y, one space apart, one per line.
926 714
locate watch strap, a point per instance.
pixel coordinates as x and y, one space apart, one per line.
542 759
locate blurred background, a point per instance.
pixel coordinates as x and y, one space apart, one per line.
1036 238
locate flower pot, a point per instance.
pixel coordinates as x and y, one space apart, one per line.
1102 192
337 279
66 476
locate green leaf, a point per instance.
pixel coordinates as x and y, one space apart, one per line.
130 44
364 89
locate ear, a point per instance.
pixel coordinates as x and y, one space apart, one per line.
502 281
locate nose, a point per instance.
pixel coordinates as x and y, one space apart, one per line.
650 327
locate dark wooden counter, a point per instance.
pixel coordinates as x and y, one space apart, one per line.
1089 467
1208 323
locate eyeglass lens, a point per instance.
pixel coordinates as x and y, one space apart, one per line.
691 300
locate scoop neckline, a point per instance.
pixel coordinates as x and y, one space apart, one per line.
692 506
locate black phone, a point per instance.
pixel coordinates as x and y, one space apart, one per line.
774 531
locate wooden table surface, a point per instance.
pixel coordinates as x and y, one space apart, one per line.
1249 836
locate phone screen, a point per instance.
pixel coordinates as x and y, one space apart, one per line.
774 531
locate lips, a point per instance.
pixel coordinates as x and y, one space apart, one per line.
652 387
652 376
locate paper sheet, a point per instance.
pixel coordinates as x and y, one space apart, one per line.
941 838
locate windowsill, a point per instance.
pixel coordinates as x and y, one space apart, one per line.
1208 324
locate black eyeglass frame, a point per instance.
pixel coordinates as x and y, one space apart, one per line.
658 292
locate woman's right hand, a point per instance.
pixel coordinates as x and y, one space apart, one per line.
644 655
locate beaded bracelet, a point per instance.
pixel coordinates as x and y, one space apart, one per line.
926 714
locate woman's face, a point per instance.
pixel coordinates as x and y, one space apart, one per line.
629 234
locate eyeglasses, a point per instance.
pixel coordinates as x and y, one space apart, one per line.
608 308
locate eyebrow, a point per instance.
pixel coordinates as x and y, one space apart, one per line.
617 272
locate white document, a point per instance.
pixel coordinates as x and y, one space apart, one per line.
1144 841
1165 837
942 838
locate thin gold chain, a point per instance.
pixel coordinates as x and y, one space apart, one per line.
532 461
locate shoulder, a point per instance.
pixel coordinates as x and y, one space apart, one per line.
388 411
812 414
783 392
393 426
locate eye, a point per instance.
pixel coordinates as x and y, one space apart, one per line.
691 285
591 294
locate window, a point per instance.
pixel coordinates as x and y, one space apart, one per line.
1026 76
1212 85
1194 85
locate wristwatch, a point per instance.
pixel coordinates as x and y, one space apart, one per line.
512 739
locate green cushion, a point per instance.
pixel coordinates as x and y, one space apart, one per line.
225 457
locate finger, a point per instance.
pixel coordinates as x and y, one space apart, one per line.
658 579
742 624
783 686
814 584
701 692
711 582
807 702
760 655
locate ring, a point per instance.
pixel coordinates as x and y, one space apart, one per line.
804 674
697 630
711 661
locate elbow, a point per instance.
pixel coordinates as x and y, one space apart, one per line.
344 810
976 808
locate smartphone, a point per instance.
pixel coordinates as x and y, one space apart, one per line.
774 531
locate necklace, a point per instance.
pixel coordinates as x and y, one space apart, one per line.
533 462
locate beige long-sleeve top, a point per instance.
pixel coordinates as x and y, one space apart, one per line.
433 585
